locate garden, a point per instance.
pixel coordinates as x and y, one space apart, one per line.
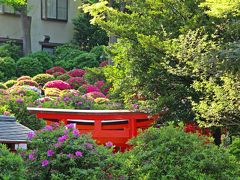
178 60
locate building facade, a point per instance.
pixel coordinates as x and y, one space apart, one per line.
51 23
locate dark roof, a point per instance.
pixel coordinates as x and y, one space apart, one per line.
12 131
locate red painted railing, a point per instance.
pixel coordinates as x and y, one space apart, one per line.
117 126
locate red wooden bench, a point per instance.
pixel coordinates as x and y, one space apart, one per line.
117 126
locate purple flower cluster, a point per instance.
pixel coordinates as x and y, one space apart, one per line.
62 138
31 135
76 132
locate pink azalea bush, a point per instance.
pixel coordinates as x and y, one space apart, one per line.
63 152
94 95
76 82
27 82
57 84
77 73
92 88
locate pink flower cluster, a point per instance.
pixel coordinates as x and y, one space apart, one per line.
55 69
57 84
76 82
94 95
92 88
76 73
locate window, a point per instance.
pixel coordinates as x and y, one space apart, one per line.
54 10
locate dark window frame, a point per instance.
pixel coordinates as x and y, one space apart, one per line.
53 19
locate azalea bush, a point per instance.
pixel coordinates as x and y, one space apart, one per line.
10 83
27 82
170 153
55 69
43 78
63 77
57 84
62 152
76 82
77 73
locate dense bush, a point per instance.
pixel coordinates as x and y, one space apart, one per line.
24 78
170 153
8 67
234 148
9 49
99 52
10 83
43 57
52 92
77 72
94 74
64 54
64 153
11 165
63 77
76 82
29 66
43 78
55 69
85 60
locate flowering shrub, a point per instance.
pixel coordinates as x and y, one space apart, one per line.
63 77
169 152
65 153
2 86
10 83
55 69
52 92
91 88
76 82
94 95
24 78
43 78
69 92
27 82
57 84
11 164
77 73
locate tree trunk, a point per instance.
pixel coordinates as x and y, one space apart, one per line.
26 27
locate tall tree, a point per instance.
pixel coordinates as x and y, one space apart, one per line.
21 7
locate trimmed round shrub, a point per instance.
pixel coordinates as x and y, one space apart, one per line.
3 86
44 58
94 95
55 69
29 66
43 78
52 92
10 83
65 153
170 153
57 84
11 164
77 72
8 67
10 49
27 82
76 82
24 78
63 77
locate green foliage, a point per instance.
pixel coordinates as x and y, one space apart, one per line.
11 165
10 83
29 66
45 59
234 148
7 67
10 50
94 74
65 54
63 77
85 60
43 78
100 53
170 153
87 35
70 155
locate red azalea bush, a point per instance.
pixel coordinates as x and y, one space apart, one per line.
77 73
55 69
57 84
64 153
92 88
57 74
76 82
